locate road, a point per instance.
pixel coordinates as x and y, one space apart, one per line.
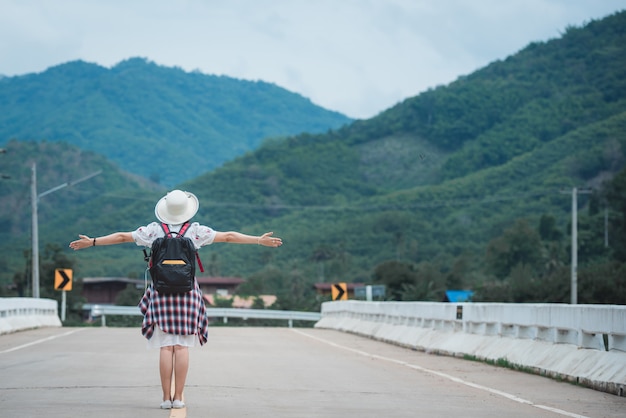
271 372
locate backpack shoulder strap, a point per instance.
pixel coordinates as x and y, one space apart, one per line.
183 229
166 229
180 233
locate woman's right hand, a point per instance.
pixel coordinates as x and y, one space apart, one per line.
83 242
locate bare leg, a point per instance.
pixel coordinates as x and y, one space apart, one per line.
181 366
166 367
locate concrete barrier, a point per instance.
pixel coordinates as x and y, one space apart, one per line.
24 313
585 344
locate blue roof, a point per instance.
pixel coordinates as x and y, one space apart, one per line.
459 295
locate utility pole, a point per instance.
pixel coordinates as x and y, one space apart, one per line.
35 222
574 274
606 227
2 175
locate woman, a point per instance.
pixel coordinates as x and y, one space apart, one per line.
159 326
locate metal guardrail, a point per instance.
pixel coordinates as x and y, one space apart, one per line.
103 310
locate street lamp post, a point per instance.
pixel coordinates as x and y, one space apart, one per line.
35 233
35 228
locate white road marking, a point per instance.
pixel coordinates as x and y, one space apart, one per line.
446 376
43 340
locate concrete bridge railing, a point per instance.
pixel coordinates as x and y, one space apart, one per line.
23 313
581 343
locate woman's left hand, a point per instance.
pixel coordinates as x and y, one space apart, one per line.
267 240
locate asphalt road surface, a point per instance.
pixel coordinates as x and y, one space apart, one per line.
271 372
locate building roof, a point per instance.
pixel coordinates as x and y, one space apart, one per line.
98 280
228 281
242 302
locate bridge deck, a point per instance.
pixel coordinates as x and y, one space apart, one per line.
271 372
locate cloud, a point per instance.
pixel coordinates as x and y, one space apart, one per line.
358 57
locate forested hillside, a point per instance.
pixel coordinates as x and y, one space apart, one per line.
158 122
431 182
464 186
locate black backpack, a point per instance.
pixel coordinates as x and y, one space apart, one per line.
172 265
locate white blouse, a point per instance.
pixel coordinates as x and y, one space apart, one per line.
200 235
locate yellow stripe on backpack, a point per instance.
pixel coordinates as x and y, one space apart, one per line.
173 262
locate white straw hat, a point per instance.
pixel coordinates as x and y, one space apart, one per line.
176 207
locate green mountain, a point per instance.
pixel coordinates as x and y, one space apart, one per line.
447 170
434 180
161 123
465 185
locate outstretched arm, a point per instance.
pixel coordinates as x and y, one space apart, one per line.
266 239
85 241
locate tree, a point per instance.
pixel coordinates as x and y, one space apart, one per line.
396 224
258 303
458 275
603 283
130 296
429 284
213 266
519 244
320 255
294 291
524 285
493 291
395 275
548 230
616 197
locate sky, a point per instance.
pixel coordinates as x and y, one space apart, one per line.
357 57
